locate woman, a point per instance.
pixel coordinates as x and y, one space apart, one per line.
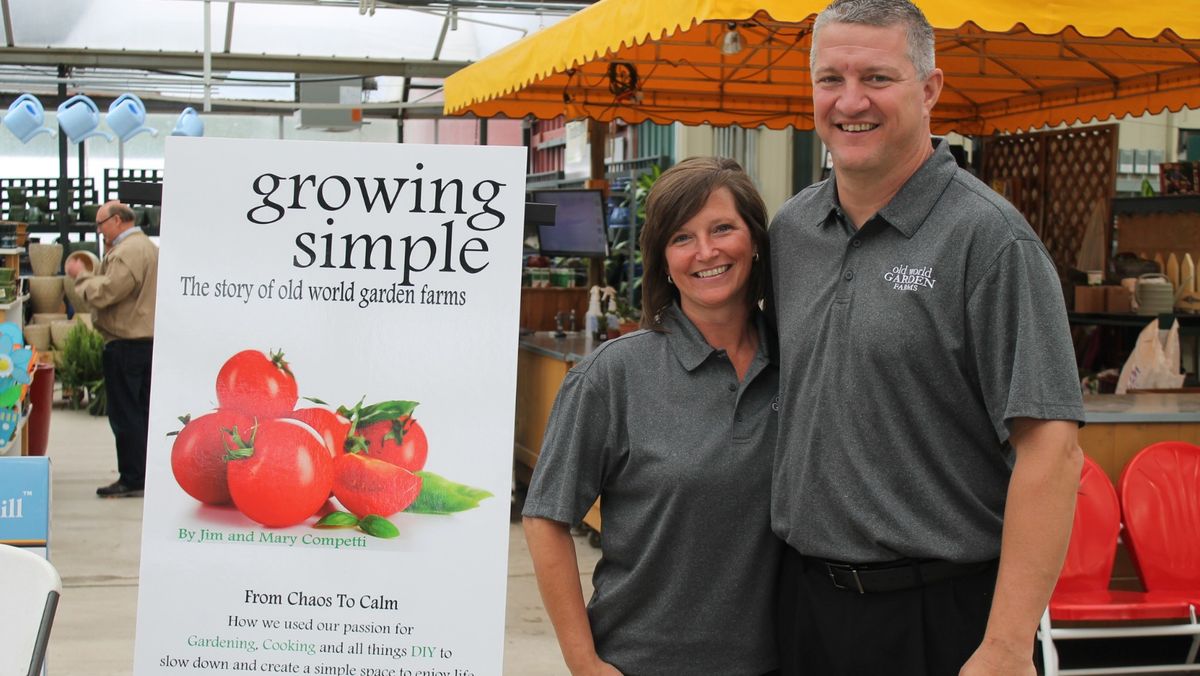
674 428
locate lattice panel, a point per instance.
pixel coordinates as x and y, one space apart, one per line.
1013 166
1080 175
1055 179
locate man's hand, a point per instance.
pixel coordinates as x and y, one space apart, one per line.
992 658
73 268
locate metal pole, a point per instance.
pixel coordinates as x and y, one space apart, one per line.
207 56
63 71
120 154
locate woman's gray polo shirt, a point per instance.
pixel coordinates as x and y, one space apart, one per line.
906 348
658 426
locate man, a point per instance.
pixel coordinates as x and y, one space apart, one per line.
926 476
122 295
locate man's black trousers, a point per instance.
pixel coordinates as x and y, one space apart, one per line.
127 384
927 630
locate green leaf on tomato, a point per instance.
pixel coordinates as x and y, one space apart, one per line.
442 496
378 526
337 520
373 413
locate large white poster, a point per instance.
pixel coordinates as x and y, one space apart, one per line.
330 443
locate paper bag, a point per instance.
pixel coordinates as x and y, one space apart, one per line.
1154 363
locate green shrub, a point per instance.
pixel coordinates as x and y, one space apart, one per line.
80 369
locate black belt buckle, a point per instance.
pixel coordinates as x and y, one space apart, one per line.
832 569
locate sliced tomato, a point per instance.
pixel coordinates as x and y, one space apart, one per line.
367 486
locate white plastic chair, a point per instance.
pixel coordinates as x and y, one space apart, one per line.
29 591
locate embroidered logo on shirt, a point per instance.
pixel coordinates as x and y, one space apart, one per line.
904 278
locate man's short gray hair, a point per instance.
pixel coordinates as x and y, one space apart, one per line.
883 13
122 212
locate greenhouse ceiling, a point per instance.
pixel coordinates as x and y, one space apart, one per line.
250 54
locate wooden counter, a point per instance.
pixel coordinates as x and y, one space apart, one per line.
542 363
1120 425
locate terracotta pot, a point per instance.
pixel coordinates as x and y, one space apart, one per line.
38 336
45 259
46 293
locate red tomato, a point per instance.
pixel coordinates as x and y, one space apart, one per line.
401 442
253 383
285 477
198 454
367 486
332 427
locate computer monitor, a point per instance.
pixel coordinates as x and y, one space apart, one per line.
578 228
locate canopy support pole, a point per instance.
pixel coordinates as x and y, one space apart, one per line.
207 56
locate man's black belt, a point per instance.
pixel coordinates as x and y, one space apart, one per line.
891 576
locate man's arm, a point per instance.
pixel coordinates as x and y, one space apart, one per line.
1037 527
104 290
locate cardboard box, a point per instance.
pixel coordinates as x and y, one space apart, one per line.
1117 299
25 501
1090 299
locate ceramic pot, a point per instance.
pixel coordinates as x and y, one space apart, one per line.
59 331
47 317
46 293
90 260
84 318
45 258
37 336
92 263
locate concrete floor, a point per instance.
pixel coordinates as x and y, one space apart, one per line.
96 546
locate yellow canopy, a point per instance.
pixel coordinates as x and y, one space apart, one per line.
1009 64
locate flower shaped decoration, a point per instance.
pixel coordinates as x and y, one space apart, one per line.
14 370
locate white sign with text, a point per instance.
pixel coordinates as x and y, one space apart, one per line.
330 443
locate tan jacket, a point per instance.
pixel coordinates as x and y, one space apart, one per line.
122 295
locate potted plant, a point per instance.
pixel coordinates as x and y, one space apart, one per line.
79 367
629 286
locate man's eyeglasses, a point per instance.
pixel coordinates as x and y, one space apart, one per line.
109 218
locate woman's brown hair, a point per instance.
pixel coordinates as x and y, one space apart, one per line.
677 196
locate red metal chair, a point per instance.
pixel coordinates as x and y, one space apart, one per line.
1160 498
1082 593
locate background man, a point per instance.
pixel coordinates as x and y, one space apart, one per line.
928 451
122 295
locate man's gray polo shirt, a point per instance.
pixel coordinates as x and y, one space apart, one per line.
658 426
906 349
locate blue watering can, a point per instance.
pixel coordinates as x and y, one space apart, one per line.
79 117
127 116
188 124
25 117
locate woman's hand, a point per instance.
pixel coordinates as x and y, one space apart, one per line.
598 668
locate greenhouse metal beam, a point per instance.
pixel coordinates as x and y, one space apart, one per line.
194 61
8 32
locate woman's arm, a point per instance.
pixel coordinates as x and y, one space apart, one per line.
557 570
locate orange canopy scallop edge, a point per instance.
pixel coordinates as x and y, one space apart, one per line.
1156 49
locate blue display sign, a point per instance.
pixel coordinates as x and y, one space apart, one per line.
25 501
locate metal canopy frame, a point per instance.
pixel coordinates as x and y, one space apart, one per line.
45 65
